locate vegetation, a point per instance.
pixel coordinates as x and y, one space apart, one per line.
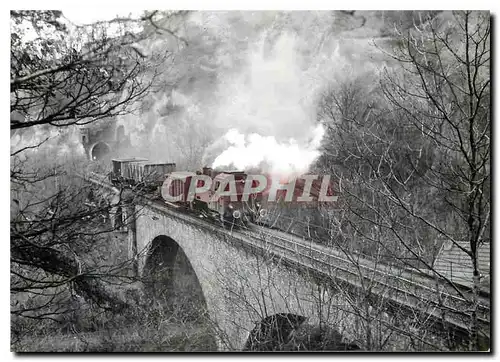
61 78
407 139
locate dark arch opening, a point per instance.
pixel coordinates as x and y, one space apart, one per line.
170 279
175 294
159 271
99 152
273 332
291 332
308 337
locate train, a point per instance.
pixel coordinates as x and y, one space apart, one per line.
138 171
238 207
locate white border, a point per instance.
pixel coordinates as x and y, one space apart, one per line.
190 4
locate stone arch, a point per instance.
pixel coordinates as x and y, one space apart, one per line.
319 337
99 151
293 332
273 332
169 278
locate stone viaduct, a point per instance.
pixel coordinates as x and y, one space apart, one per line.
240 286
244 278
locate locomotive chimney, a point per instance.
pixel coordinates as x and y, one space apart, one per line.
207 171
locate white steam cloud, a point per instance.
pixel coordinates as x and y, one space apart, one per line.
256 151
271 107
245 91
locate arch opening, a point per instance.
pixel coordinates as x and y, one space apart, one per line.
291 332
100 151
159 270
308 337
172 285
273 332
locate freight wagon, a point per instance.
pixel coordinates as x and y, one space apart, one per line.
140 171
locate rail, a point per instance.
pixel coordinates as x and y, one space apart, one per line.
407 289
313 258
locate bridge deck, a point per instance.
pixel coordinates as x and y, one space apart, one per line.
410 289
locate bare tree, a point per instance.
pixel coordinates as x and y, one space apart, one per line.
447 98
299 299
60 78
413 152
81 75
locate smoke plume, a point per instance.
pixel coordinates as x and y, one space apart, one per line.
245 91
271 109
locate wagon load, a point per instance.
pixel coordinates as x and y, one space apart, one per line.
140 171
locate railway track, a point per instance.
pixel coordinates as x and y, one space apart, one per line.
392 284
414 278
412 290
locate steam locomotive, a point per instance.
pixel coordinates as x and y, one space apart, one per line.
235 207
229 209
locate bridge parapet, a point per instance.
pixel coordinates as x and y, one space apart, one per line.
226 261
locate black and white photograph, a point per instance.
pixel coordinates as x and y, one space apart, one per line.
250 180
